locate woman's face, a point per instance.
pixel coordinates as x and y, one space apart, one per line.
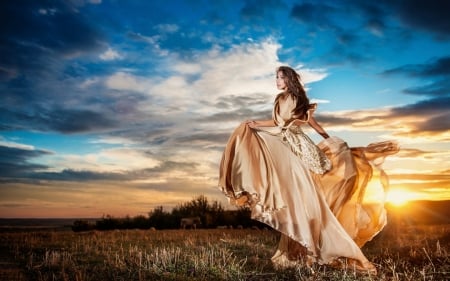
281 85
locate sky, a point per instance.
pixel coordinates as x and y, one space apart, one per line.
113 107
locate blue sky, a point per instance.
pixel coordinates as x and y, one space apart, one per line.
115 107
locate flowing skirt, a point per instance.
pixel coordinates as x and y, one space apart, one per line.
259 170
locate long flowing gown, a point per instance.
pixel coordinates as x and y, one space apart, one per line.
312 194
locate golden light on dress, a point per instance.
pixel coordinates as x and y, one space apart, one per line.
321 213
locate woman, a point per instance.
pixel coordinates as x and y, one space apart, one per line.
313 196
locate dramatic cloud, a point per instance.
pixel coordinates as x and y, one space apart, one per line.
437 68
17 161
437 88
27 52
426 15
428 118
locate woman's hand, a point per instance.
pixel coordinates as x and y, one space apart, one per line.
251 123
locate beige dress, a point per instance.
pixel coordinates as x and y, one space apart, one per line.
315 201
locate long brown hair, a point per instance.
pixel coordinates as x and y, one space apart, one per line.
295 88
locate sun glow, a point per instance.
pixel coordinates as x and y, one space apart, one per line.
400 197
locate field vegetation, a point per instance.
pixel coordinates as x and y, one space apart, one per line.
410 253
402 251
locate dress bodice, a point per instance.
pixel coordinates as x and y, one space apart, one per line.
283 114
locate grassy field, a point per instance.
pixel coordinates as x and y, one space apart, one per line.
400 253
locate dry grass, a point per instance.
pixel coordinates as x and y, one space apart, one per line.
409 253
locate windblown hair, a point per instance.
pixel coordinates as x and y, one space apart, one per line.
295 88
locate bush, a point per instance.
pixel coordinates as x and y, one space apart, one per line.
210 214
82 225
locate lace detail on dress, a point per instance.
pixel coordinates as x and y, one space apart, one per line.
312 156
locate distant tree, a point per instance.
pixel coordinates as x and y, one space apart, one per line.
126 223
141 222
160 219
107 223
210 213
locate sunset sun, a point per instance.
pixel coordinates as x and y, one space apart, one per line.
399 197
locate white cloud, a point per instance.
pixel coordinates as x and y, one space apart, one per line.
125 81
318 101
16 145
243 70
115 160
88 82
110 54
187 68
309 75
247 69
172 88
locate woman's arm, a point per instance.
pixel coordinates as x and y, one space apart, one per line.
260 123
316 126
